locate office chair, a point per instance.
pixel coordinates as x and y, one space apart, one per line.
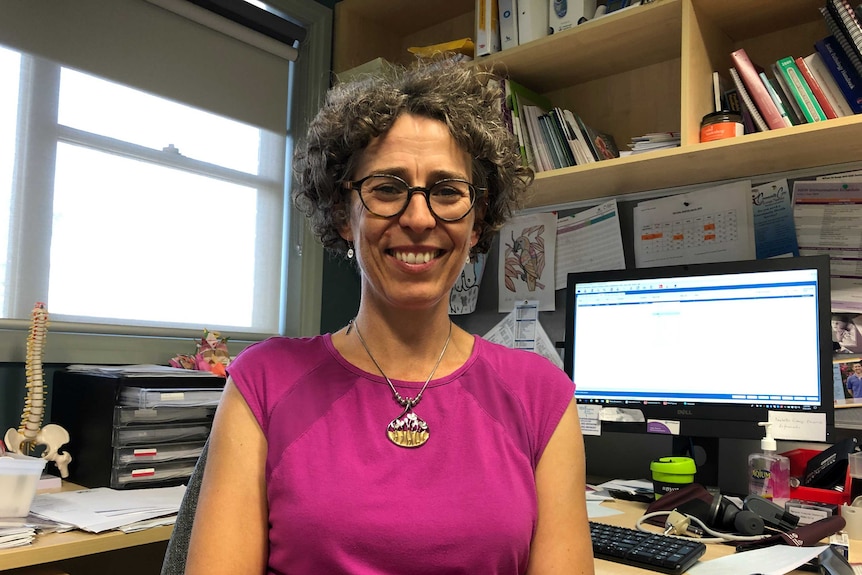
178 545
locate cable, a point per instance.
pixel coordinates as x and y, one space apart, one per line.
677 521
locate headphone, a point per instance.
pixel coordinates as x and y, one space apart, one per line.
724 514
750 521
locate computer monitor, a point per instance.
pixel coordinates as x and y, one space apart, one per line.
710 348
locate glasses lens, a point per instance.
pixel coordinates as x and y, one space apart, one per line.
451 199
383 195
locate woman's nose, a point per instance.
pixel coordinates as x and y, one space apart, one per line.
418 214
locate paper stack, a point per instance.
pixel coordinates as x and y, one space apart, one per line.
138 370
16 536
103 509
654 141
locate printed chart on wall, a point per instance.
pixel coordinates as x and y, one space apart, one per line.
709 225
527 253
590 240
827 213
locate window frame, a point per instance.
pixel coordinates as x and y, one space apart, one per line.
299 300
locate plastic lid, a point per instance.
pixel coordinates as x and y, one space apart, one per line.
768 442
674 465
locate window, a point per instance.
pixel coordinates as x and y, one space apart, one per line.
165 216
132 207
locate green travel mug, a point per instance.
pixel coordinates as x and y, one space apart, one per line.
671 473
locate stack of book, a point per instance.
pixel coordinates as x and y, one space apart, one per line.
653 141
795 90
549 137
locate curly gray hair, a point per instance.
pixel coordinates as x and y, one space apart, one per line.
461 96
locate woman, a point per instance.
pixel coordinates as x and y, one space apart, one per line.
401 443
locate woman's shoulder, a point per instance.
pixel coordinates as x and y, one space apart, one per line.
286 352
520 368
509 358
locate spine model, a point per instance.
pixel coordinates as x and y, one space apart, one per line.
30 432
34 404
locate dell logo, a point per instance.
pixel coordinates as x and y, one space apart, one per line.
683 412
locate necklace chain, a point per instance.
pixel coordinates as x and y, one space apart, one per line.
405 402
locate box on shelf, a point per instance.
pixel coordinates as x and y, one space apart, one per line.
565 14
798 459
19 475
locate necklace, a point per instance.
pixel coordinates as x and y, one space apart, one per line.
408 429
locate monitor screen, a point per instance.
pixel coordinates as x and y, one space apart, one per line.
709 347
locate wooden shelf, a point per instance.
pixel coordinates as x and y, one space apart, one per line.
608 46
645 69
811 145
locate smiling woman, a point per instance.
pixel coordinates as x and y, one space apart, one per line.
441 434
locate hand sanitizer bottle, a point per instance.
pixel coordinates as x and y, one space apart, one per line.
769 472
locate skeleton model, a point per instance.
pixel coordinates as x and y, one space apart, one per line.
31 433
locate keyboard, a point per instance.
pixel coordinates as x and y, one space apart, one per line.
652 551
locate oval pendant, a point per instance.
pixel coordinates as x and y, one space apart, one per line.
407 430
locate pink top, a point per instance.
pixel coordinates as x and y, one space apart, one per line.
344 499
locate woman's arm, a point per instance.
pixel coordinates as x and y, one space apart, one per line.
229 534
562 542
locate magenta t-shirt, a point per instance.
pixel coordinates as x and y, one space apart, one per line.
344 499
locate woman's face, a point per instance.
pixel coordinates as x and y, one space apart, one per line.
391 252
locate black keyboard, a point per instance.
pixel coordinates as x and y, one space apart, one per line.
653 551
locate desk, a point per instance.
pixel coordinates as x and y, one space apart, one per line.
54 548
140 552
77 551
631 511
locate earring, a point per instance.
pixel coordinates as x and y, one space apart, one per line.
469 258
349 251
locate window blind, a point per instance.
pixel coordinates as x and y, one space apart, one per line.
147 47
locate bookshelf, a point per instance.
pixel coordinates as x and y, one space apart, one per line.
646 69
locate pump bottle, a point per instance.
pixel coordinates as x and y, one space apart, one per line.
769 472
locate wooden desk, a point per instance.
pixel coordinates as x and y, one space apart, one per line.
56 547
631 511
133 553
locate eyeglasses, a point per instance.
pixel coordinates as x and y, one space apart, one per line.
387 196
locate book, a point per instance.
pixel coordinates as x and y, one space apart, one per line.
776 99
532 20
508 11
588 138
540 148
487 28
842 72
849 23
750 108
574 125
719 87
801 91
519 96
735 104
790 103
555 151
838 32
606 146
816 89
759 95
833 93
558 125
